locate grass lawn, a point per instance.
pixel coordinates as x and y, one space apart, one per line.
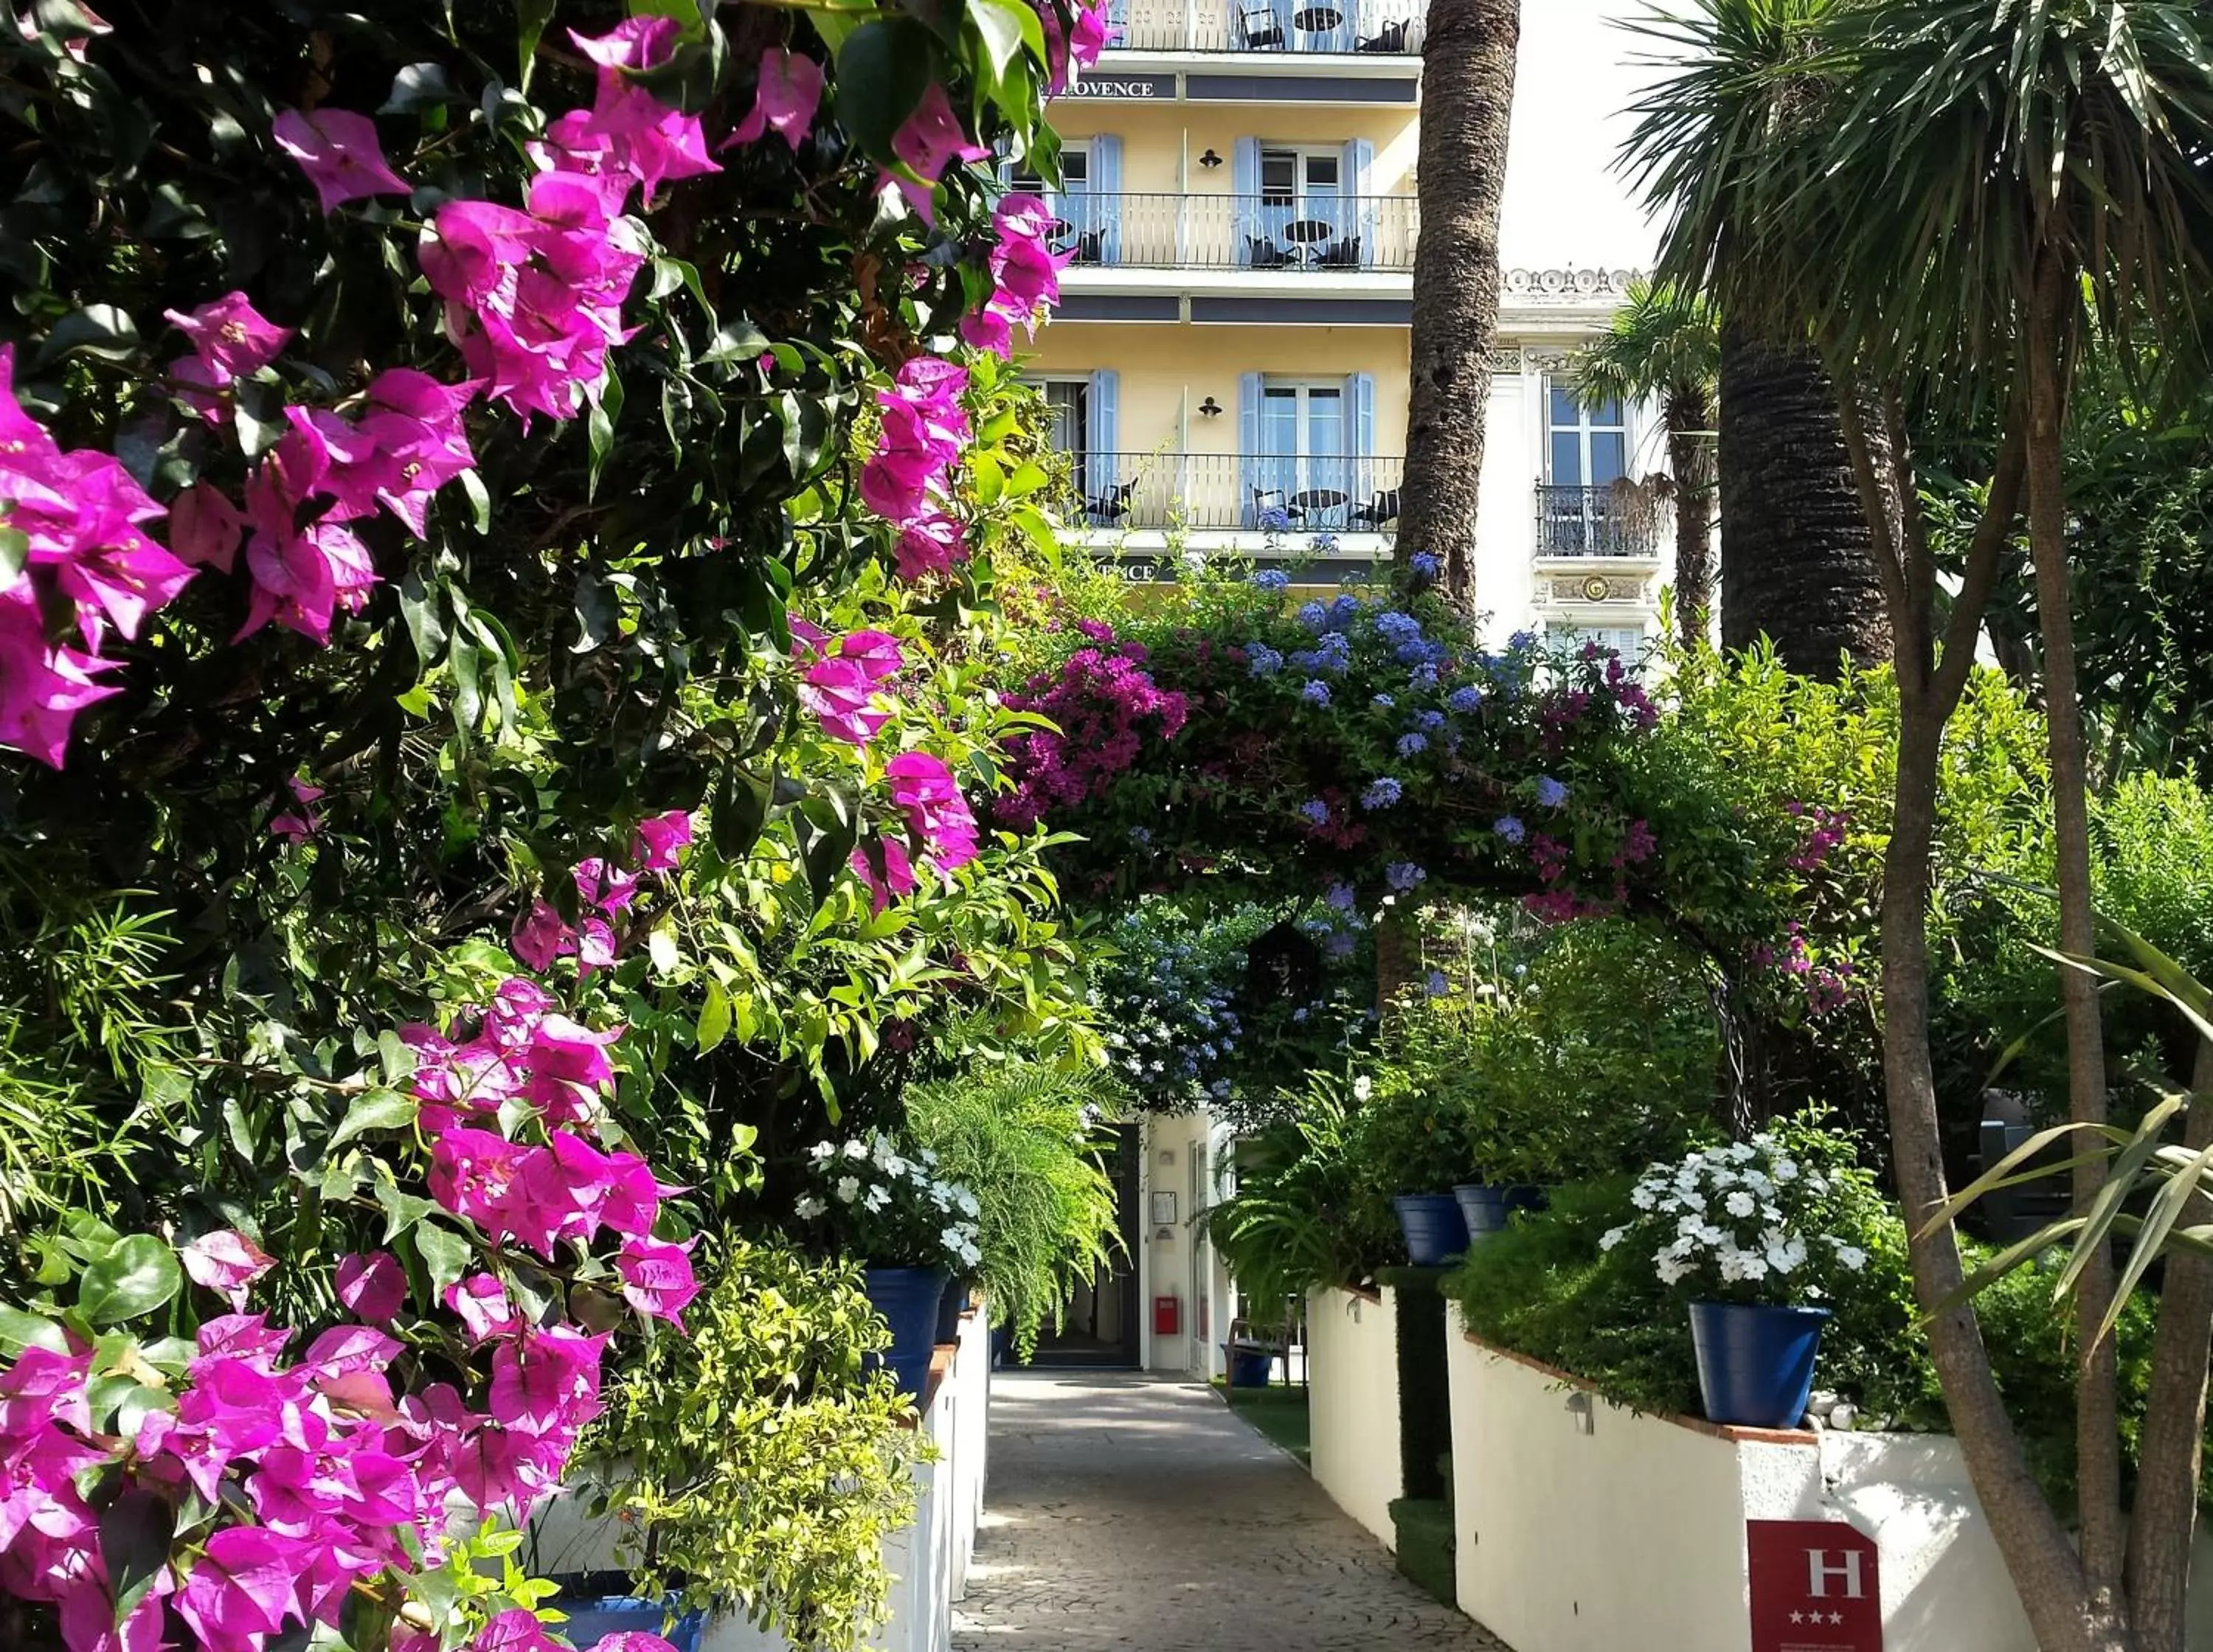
1277 1412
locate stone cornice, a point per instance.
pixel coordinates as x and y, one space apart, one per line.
1570 285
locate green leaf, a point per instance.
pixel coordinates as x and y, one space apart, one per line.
15 552
741 806
135 1277
421 86
19 1331
444 1253
661 946
531 17
102 330
375 1110
883 70
714 1018
134 1533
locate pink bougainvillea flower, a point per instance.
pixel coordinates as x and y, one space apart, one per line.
481 1302
568 1068
896 879
302 581
372 1286
840 693
659 838
204 528
631 1639
932 543
595 945
232 339
226 1262
297 828
539 936
627 127
657 1279
928 141
42 688
546 1381
340 153
414 422
986 329
516 1629
240 1589
789 92
925 791
610 888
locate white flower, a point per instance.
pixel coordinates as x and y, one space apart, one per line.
943 1197
1671 1269
820 1151
1612 1237
877 1198
1363 1088
968 1202
810 1208
848 1189
1782 1258
1644 1196
1740 1151
1852 1257
928 1157
970 1256
1786 1170
953 1239
857 1150
1740 1203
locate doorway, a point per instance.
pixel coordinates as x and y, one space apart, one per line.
1101 1325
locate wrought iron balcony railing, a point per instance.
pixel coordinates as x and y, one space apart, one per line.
1318 236
1623 520
1257 493
1367 28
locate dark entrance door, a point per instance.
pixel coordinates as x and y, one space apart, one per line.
1101 1325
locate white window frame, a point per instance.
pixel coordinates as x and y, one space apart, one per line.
1302 187
1587 425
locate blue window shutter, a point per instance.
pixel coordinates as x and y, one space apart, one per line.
1245 220
1104 214
1360 392
1248 443
1360 179
1102 440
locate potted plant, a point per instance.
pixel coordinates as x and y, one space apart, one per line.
910 1229
1743 1230
1410 1145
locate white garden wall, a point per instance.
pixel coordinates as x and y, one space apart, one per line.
929 1560
1352 1386
1581 1526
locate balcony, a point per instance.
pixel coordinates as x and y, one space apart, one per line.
1625 522
1340 496
1388 28
1318 236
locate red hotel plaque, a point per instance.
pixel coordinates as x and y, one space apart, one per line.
1813 1587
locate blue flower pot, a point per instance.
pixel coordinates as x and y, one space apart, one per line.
1249 1367
907 1298
593 1615
1483 1207
949 1309
1433 1228
1756 1364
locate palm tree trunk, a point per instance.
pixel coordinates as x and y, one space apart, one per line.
2097 1424
1467 104
2162 1523
1691 456
1797 562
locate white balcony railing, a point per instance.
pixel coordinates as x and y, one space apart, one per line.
1262 493
1367 27
1318 234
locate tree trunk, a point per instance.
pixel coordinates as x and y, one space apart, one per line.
1691 456
1467 103
2097 1422
1798 557
2164 1519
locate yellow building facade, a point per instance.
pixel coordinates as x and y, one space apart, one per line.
1229 367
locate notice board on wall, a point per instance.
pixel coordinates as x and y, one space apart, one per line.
1814 1587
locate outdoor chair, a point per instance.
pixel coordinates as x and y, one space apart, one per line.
1091 246
1270 502
1110 507
1391 39
1342 254
1259 29
1383 508
1261 254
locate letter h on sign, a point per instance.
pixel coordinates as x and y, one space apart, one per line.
1815 1587
1843 1569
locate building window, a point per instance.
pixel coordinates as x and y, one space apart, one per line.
1585 447
1082 219
1567 641
1303 467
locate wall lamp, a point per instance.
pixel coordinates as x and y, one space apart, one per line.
1209 409
1210 160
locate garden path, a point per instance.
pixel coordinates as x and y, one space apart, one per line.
1136 1512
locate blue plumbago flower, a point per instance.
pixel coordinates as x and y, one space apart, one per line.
1273 579
1382 702
1403 875
1439 987
1382 793
1340 896
1219 1089
1339 945
1522 641
1274 520
1413 745
1423 677
1141 836
1551 793
1315 692
1312 615
1423 565
1394 626
1299 1016
1467 701
1325 544
1344 609
1263 661
1315 810
1510 829
1428 721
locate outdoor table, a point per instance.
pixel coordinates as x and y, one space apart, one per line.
1316 19
1309 235
1317 499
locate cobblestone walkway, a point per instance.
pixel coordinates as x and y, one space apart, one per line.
1137 1513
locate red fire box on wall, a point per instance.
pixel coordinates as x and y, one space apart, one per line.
1167 1316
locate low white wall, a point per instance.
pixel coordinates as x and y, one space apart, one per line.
929 1560
1633 1533
1352 1388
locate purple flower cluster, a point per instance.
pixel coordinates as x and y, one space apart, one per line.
1103 705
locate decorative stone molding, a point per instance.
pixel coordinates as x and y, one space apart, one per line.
1567 284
